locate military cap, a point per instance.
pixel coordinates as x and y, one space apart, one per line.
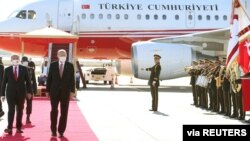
201 61
157 56
194 63
24 59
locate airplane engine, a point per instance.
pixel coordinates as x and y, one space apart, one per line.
174 58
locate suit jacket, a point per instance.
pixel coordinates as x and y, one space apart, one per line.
32 77
155 73
55 83
1 76
10 86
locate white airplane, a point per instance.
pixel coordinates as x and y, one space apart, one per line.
180 31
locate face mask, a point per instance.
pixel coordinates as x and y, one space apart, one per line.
25 63
15 62
62 59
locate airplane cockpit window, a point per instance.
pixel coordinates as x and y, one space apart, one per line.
21 14
31 14
164 17
126 16
147 17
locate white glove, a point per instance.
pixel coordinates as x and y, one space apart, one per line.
153 83
3 98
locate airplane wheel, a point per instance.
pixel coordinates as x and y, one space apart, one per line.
110 82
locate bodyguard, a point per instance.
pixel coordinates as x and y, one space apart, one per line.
154 81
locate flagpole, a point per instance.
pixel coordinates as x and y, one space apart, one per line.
244 9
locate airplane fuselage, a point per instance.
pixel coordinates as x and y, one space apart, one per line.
106 29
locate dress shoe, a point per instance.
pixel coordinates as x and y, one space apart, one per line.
9 131
53 135
19 131
152 110
1 113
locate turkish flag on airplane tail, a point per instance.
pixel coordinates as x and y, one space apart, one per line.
86 6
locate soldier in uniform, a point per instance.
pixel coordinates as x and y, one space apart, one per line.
192 72
32 77
154 81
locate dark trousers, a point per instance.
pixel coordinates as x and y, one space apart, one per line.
227 102
15 103
29 106
154 94
63 99
219 102
211 100
234 100
240 106
194 95
198 95
1 108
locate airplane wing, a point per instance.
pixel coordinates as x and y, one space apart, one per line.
210 41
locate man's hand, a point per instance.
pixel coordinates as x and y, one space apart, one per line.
3 98
29 95
72 95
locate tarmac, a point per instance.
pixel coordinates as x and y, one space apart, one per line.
122 113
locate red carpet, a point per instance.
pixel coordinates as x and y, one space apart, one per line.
77 126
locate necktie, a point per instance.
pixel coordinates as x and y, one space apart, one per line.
15 73
61 69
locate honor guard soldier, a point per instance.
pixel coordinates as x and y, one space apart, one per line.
154 81
192 72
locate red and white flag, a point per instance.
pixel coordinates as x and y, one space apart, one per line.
239 48
244 50
85 6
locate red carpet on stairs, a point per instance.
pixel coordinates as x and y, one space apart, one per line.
39 130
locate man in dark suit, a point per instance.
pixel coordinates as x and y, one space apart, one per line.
31 72
1 78
16 82
60 87
154 81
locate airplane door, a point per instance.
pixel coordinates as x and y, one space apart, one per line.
190 19
65 15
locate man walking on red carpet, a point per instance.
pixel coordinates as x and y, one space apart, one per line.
15 86
60 86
